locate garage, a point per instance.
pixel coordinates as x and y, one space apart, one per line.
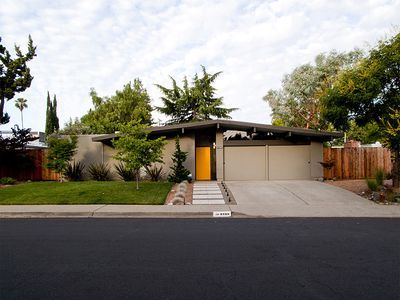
246 163
289 162
285 162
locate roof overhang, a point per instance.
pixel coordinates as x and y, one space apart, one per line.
224 125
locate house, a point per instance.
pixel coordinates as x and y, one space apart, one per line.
230 150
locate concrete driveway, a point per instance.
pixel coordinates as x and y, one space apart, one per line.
302 198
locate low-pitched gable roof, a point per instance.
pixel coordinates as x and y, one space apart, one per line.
233 125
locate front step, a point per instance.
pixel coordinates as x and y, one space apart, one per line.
207 193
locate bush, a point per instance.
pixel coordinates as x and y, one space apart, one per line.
372 185
380 176
99 172
74 171
7 180
179 172
125 173
154 173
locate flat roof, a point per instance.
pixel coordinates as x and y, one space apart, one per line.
233 125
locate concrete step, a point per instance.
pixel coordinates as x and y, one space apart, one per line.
208 202
213 196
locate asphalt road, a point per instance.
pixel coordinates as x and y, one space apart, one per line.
200 259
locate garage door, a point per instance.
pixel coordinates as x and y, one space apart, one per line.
289 162
245 163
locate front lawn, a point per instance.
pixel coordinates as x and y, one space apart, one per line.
85 192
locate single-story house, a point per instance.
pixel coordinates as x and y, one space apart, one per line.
229 150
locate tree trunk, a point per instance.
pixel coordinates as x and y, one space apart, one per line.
22 120
396 171
137 180
2 100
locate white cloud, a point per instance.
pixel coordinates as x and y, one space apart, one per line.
105 44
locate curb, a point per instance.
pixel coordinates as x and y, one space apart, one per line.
10 215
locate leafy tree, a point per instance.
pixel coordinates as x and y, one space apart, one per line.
20 103
297 103
179 172
75 127
370 92
52 123
13 149
194 102
136 149
15 76
61 151
132 103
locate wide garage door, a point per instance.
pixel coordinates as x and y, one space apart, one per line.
289 162
245 163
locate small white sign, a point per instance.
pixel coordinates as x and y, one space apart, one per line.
222 214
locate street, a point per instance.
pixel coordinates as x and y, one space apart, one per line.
310 258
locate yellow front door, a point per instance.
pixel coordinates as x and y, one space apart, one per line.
203 163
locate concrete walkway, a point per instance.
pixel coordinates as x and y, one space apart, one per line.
207 192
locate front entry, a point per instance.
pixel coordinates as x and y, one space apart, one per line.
203 163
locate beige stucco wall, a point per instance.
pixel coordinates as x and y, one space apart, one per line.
187 144
89 152
219 155
317 155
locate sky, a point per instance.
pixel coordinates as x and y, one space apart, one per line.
105 44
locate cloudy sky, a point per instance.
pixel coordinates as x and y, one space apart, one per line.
105 44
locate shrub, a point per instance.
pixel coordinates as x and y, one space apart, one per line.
125 173
7 180
179 172
380 176
372 185
99 171
154 173
74 171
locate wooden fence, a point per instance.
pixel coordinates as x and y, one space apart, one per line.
36 173
357 163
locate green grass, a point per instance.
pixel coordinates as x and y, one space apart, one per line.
85 192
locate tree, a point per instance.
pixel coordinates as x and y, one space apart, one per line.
132 103
52 123
13 149
54 117
75 127
193 103
136 149
15 76
61 151
297 103
370 92
179 172
49 108
20 103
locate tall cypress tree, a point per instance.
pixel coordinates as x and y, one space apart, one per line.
52 122
49 119
56 125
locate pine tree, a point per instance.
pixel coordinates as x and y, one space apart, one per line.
179 172
49 120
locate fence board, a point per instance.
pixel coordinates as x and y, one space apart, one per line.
357 163
37 172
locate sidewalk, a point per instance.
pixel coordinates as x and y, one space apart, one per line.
115 211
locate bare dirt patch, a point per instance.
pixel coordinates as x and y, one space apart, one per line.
357 186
